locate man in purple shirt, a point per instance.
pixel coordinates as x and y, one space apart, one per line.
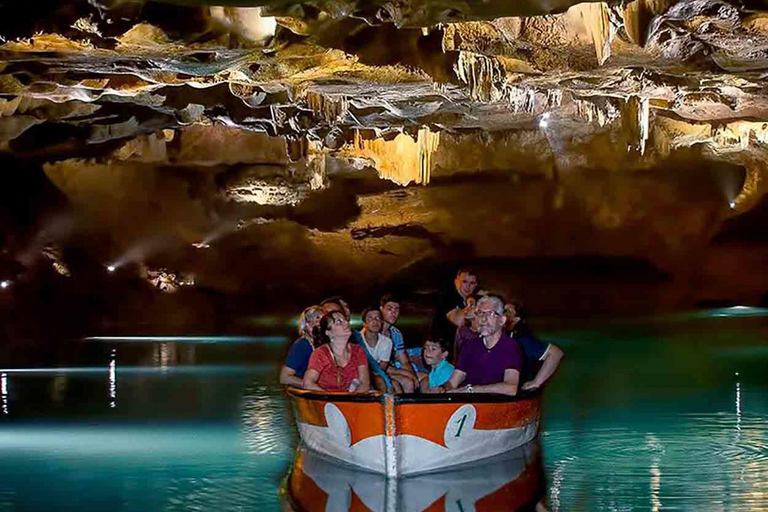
490 362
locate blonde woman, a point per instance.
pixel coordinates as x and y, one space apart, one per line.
292 372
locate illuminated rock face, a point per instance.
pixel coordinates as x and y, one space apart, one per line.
317 149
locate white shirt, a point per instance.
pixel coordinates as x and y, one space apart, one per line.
383 349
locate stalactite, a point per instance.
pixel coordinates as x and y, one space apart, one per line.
402 159
328 108
482 75
598 25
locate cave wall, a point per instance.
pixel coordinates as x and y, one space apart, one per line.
288 151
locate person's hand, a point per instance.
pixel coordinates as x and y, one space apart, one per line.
530 386
469 310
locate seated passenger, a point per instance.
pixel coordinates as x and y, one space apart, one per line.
401 370
337 364
490 362
377 345
540 359
436 356
292 372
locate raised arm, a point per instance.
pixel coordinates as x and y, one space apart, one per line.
288 377
457 315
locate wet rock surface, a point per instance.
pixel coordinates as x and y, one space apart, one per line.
300 148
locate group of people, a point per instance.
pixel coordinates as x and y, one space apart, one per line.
478 343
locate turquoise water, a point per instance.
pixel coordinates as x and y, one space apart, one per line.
662 414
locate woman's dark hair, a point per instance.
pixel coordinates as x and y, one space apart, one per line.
320 332
521 328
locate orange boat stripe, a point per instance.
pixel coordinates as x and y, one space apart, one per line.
428 421
365 419
311 412
505 416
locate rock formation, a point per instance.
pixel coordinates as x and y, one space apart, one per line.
330 143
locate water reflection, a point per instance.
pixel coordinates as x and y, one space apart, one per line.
4 392
510 482
113 380
263 421
641 418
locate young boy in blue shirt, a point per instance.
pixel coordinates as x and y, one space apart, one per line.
436 354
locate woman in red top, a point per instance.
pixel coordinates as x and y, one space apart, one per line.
338 364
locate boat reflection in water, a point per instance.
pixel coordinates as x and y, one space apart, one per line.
510 482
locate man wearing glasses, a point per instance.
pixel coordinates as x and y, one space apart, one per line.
491 361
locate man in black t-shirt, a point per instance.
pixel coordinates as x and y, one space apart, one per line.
455 305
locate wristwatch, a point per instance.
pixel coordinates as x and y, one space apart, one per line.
469 388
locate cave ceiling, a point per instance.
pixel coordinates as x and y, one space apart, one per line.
257 143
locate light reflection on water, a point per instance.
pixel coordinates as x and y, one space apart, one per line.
658 416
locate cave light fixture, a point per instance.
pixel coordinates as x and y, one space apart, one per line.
111 268
5 284
732 204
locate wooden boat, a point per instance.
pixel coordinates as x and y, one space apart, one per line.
400 435
509 482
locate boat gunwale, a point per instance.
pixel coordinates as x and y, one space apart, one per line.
412 398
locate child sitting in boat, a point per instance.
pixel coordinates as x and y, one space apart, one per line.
338 363
436 354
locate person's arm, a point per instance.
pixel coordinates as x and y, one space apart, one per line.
288 377
456 316
507 387
365 379
387 350
424 385
457 377
552 358
401 356
310 380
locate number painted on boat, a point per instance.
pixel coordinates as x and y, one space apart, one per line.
461 425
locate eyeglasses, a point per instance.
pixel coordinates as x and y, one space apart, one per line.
487 313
